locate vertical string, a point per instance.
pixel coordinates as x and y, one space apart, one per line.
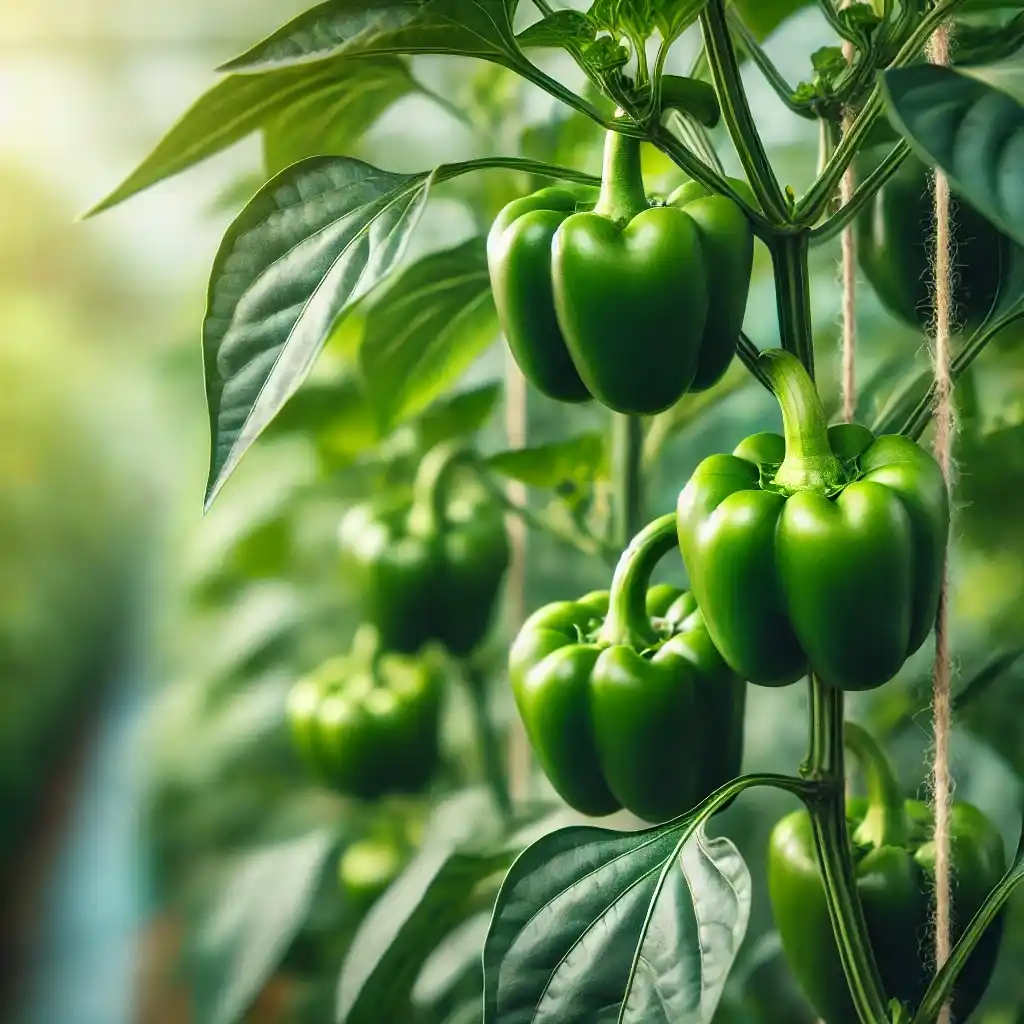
938 53
849 263
515 432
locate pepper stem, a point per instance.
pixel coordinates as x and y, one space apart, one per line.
810 464
885 823
430 490
622 183
366 650
627 622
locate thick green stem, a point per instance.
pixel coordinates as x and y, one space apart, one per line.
832 846
793 295
491 750
810 464
725 70
627 621
627 468
885 823
622 183
430 491
824 766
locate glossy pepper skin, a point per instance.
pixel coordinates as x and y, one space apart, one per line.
822 551
624 697
429 571
893 855
368 723
519 261
615 297
894 250
727 244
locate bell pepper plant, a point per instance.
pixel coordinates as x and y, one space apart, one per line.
624 274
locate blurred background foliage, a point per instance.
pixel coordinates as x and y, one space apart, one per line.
108 575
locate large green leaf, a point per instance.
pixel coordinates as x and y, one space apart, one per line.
309 245
355 93
329 121
970 129
427 329
360 28
251 927
598 927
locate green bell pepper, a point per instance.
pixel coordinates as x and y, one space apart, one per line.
430 571
367 723
819 552
894 864
632 303
894 250
624 697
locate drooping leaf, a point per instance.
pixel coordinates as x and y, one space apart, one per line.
363 28
249 931
579 460
452 960
309 245
356 93
427 329
598 927
311 242
330 121
970 129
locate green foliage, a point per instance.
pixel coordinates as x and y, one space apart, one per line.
640 898
968 128
248 931
426 330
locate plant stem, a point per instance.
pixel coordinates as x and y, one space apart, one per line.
824 765
832 846
862 194
793 296
627 479
491 750
736 113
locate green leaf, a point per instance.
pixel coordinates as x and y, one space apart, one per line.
329 121
241 104
973 131
427 329
579 460
362 28
310 243
565 29
246 936
431 897
597 927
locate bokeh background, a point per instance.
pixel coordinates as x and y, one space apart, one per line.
145 651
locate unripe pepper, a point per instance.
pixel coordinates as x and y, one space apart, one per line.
894 249
368 723
624 697
894 865
614 297
819 552
430 571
